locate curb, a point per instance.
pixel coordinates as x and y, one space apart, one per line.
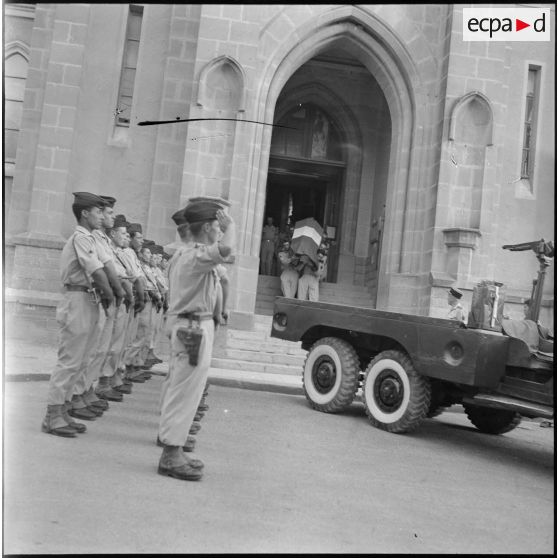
275 383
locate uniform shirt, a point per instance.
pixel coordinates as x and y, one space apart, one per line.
131 260
269 232
162 282
120 263
457 313
151 281
103 245
80 258
192 280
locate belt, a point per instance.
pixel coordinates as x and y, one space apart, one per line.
198 316
77 288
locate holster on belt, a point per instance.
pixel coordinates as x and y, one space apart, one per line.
190 334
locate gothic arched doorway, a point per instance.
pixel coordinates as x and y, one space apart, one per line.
305 176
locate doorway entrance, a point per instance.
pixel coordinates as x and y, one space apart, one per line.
297 189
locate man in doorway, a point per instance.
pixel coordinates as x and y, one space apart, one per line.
269 240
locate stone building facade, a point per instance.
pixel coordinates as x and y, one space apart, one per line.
421 172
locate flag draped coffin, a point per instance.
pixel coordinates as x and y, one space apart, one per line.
307 237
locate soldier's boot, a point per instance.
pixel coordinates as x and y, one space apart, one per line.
105 391
117 383
173 463
190 444
54 423
199 415
195 428
203 406
152 357
93 402
81 411
133 376
77 426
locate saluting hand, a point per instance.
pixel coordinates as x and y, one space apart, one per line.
224 219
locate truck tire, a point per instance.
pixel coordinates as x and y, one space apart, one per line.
330 375
396 397
492 421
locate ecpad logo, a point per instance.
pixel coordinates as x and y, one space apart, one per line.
506 24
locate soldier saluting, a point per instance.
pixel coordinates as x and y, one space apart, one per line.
77 313
193 292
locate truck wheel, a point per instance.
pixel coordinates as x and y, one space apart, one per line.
492 421
330 376
396 397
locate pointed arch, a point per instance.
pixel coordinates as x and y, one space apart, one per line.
17 47
226 74
485 113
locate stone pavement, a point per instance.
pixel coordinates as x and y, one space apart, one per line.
29 360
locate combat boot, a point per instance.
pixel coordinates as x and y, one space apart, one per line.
195 428
93 402
81 411
174 464
77 426
198 416
105 391
203 406
54 423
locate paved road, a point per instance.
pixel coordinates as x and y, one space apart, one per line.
279 478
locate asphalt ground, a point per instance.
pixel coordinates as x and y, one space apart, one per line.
279 477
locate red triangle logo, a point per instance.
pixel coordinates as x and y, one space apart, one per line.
519 25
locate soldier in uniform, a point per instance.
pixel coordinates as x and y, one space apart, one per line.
77 313
128 253
100 345
269 242
192 285
141 321
456 311
162 285
111 375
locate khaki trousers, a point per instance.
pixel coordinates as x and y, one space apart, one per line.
138 350
131 331
78 318
100 346
289 282
116 344
308 288
183 387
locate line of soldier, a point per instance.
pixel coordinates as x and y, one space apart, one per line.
115 294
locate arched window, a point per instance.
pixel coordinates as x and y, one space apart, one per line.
311 134
15 75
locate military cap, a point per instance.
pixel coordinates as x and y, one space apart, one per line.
120 221
455 292
134 228
217 199
156 249
109 200
179 218
148 243
86 199
166 256
200 211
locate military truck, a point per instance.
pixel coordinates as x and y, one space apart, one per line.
412 367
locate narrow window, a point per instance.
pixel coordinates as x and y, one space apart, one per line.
14 88
530 124
129 65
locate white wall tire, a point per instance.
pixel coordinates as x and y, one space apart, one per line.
396 397
330 375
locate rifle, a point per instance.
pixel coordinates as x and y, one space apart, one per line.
543 251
